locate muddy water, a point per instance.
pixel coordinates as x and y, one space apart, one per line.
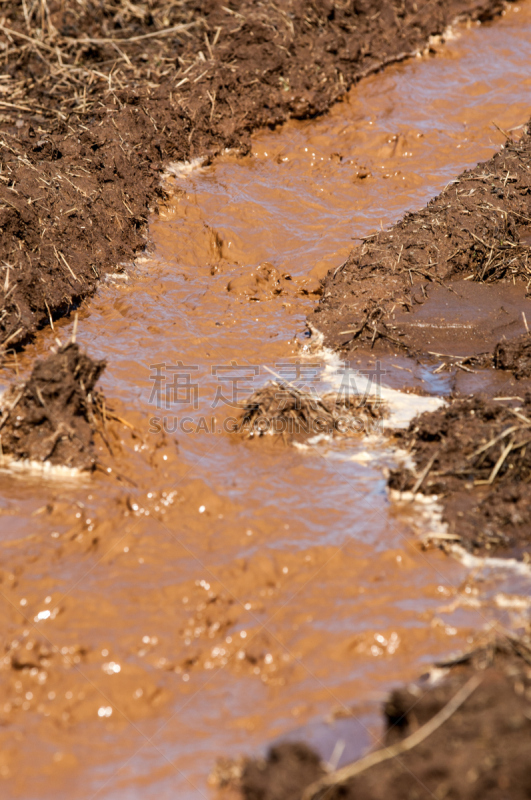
208 595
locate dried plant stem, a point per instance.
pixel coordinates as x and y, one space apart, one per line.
344 774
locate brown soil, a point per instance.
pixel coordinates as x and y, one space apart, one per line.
289 767
474 453
50 417
477 230
481 751
99 96
515 355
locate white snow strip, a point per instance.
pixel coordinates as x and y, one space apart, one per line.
428 513
512 602
183 169
116 276
402 407
41 469
432 528
473 562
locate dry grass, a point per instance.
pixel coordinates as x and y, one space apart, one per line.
491 446
76 50
284 410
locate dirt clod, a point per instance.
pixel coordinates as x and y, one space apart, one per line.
515 355
288 768
474 454
50 417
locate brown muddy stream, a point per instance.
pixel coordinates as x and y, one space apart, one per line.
211 595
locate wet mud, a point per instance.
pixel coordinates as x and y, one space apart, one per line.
208 595
448 286
479 749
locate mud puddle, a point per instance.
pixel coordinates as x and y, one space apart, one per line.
210 595
468 319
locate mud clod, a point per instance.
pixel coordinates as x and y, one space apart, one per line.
474 454
515 355
286 771
50 418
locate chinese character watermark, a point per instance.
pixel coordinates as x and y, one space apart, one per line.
299 407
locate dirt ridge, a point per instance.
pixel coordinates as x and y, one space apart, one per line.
99 96
478 228
473 454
